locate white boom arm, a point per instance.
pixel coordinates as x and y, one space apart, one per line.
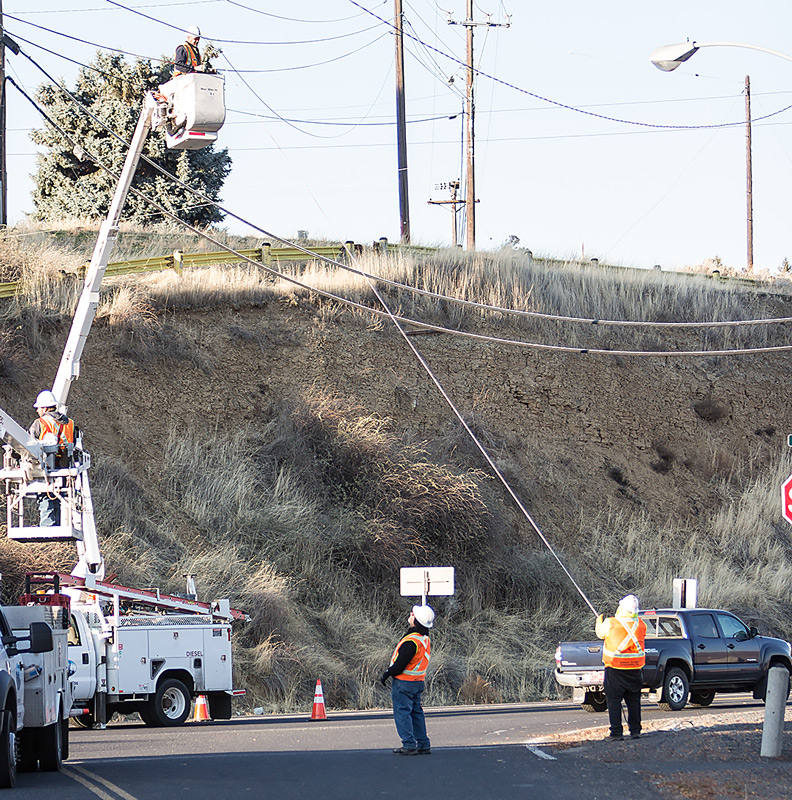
69 367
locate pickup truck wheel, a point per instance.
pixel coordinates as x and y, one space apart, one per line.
594 702
702 697
170 705
8 751
675 690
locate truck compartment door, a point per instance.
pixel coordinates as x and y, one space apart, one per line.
82 653
217 661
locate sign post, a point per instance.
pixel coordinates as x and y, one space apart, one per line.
426 581
786 499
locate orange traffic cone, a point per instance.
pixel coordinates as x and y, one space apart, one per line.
201 711
318 704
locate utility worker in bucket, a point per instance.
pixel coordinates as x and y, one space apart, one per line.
52 427
408 669
623 654
188 56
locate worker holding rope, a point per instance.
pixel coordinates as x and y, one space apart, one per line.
623 655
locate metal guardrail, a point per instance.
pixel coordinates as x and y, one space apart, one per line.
266 254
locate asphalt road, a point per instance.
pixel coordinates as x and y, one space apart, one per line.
477 752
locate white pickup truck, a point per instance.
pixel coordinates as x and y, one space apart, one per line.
152 663
35 691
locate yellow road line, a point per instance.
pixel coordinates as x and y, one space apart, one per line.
85 777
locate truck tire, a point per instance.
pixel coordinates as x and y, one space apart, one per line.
594 702
701 697
8 750
50 742
675 690
170 705
64 738
27 753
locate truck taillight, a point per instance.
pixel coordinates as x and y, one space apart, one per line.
558 655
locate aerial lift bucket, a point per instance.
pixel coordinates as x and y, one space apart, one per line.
195 110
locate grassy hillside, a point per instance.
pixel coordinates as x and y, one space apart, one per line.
292 454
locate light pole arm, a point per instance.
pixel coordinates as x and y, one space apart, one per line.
670 56
745 46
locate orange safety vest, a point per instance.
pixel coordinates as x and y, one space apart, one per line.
194 56
416 668
623 647
63 432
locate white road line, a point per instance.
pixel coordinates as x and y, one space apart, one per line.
540 753
85 776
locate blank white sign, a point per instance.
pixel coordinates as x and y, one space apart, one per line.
419 581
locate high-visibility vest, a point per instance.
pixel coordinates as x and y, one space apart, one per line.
623 647
62 431
416 668
193 54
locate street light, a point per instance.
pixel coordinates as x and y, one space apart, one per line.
670 56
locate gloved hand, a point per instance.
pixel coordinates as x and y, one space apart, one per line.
600 618
201 68
384 677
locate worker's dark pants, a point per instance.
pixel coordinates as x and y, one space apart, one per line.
623 684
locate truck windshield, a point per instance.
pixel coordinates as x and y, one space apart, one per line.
662 627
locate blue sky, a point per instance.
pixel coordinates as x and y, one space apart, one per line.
560 180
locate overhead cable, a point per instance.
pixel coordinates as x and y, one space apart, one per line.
239 41
559 104
293 19
487 457
364 307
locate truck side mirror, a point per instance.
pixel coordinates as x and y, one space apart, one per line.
754 631
40 638
741 636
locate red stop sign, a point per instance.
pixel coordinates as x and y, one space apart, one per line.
786 499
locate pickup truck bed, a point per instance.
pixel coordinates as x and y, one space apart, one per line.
690 655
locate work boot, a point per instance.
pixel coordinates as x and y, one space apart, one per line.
424 751
615 737
404 751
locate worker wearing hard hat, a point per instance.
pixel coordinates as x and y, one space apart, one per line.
188 56
623 655
408 668
53 428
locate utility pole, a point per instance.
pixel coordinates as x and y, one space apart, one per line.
470 127
453 187
749 171
401 127
3 172
470 137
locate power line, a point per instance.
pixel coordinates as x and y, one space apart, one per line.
558 104
245 71
239 41
292 19
558 348
104 8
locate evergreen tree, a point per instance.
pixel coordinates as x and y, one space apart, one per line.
69 187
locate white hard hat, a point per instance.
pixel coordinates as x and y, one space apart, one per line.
628 604
45 399
424 614
194 30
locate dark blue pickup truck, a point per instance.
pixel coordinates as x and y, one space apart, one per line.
690 655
